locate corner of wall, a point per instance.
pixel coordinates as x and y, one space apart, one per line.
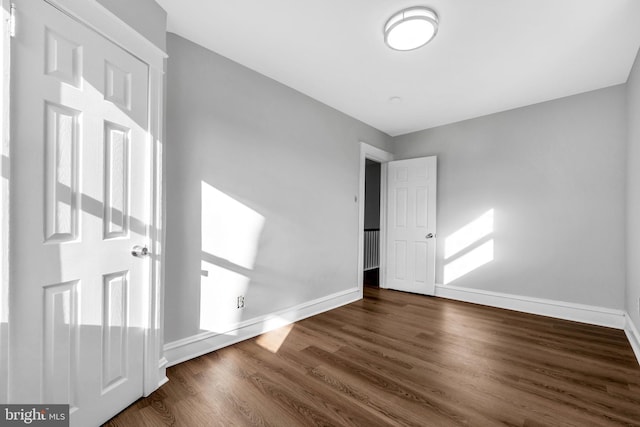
632 288
633 335
154 25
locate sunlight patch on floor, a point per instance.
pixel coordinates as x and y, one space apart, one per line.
272 341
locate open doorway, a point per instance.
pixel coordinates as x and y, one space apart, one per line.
375 178
371 254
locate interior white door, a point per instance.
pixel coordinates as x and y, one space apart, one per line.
80 201
411 225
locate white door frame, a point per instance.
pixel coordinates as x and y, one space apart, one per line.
105 23
370 152
4 198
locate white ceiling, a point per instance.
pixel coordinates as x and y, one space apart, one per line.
488 55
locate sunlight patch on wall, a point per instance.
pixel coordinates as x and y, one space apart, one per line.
468 248
469 234
230 229
230 233
478 257
219 290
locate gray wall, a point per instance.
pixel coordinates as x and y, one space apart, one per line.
274 153
145 16
554 174
633 194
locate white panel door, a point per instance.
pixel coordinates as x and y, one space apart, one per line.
411 225
81 196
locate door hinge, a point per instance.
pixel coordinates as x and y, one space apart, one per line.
12 20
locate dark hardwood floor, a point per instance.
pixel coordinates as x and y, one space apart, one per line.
406 360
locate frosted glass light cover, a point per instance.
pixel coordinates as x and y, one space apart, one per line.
411 28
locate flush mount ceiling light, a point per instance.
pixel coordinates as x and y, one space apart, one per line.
411 28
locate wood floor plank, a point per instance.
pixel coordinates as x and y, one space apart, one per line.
398 359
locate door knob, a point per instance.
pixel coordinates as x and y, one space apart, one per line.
430 236
139 251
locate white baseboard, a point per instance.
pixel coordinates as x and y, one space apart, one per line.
188 348
633 336
162 366
593 315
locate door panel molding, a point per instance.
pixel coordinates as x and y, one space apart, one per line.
105 23
95 17
411 224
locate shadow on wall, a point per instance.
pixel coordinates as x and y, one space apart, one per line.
469 248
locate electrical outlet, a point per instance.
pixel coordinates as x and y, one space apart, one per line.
240 301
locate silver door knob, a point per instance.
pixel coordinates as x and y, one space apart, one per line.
139 251
430 236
